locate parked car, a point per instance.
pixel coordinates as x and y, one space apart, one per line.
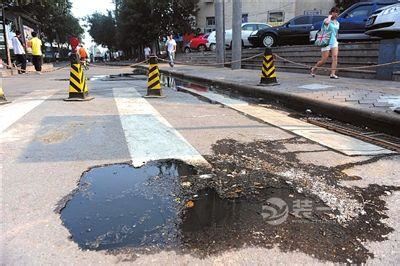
247 29
212 40
352 20
385 22
199 43
295 31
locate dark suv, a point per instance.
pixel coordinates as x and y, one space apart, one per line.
295 31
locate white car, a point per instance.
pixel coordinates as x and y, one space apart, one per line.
385 22
212 40
247 29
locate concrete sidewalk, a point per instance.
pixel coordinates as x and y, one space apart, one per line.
369 103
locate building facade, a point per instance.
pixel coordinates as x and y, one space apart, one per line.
273 12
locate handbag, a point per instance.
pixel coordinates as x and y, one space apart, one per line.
323 37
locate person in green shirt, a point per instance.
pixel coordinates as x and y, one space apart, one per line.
36 44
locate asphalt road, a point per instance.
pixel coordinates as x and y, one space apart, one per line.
46 145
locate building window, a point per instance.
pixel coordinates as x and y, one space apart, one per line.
276 16
210 21
245 18
312 12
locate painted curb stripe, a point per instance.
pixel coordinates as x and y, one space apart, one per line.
345 144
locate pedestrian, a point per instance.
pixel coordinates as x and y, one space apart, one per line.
19 51
36 44
83 54
171 48
147 52
74 55
331 26
57 56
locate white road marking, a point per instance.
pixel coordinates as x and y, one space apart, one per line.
316 86
149 136
12 112
342 143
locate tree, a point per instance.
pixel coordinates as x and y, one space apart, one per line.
344 4
55 17
102 28
141 22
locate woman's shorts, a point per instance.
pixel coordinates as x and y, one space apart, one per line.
330 47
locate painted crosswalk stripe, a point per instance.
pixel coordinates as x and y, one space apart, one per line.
11 113
341 143
149 136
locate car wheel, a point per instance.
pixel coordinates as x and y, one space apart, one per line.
187 50
202 48
269 40
213 47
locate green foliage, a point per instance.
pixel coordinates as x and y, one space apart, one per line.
344 4
140 22
102 28
55 17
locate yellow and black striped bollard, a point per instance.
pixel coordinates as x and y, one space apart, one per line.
3 99
268 73
153 82
78 89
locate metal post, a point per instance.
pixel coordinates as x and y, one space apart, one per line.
236 34
219 27
224 28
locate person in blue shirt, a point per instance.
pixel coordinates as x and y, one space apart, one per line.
333 48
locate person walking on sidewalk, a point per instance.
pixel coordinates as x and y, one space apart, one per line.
147 52
36 44
19 51
171 47
332 26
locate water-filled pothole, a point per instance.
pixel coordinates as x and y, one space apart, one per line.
118 205
160 205
250 197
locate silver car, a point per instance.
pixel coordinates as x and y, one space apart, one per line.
385 22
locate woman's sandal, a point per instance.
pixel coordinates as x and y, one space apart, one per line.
334 76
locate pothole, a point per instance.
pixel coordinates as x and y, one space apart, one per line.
255 195
119 206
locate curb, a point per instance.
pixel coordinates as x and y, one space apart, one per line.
378 121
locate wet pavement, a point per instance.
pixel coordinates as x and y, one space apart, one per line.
244 201
268 198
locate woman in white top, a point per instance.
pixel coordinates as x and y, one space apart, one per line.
19 52
333 47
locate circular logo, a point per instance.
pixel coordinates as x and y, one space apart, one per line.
275 212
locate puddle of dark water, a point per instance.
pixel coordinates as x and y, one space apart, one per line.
172 82
118 205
